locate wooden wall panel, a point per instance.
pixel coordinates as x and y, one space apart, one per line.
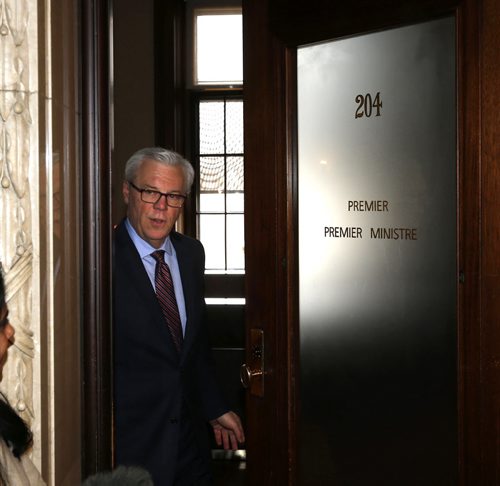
490 245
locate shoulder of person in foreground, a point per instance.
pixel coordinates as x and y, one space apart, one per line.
17 471
121 476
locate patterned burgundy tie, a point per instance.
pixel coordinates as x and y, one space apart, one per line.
166 296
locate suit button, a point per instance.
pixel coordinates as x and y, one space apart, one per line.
174 421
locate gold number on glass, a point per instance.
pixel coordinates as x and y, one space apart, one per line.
367 105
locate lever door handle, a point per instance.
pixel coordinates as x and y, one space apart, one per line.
246 375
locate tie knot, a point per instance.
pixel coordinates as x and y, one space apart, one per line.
158 255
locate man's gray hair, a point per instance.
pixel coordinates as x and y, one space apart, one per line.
121 476
163 156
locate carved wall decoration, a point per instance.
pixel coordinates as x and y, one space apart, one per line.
39 237
19 198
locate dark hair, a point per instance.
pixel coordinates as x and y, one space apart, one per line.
121 476
2 288
13 429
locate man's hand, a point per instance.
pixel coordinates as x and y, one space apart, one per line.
228 431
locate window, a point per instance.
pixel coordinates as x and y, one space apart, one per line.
215 76
217 79
220 208
219 47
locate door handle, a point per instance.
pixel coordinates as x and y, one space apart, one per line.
247 375
252 374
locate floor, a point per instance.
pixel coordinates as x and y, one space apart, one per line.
229 468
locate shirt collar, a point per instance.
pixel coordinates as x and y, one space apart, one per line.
143 247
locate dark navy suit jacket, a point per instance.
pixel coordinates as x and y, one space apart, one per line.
152 383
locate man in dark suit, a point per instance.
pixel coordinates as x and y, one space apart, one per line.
165 390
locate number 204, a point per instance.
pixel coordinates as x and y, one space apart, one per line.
368 105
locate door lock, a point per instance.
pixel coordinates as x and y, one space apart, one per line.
252 374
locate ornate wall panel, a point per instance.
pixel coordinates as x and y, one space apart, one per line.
19 245
39 225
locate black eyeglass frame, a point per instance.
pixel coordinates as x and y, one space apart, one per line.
5 320
168 195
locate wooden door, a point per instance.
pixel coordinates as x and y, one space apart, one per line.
272 32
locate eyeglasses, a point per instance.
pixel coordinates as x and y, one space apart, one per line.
4 321
152 197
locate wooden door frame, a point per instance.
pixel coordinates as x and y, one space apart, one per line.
96 244
96 69
272 30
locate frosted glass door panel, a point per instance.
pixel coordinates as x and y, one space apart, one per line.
377 258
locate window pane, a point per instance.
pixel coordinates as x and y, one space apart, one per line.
235 242
212 236
212 174
234 202
212 202
234 127
211 127
234 174
219 49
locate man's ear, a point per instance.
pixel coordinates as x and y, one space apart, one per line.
125 191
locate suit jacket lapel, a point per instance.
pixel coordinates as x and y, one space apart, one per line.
133 269
132 265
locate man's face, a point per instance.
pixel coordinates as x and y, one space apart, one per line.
153 222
